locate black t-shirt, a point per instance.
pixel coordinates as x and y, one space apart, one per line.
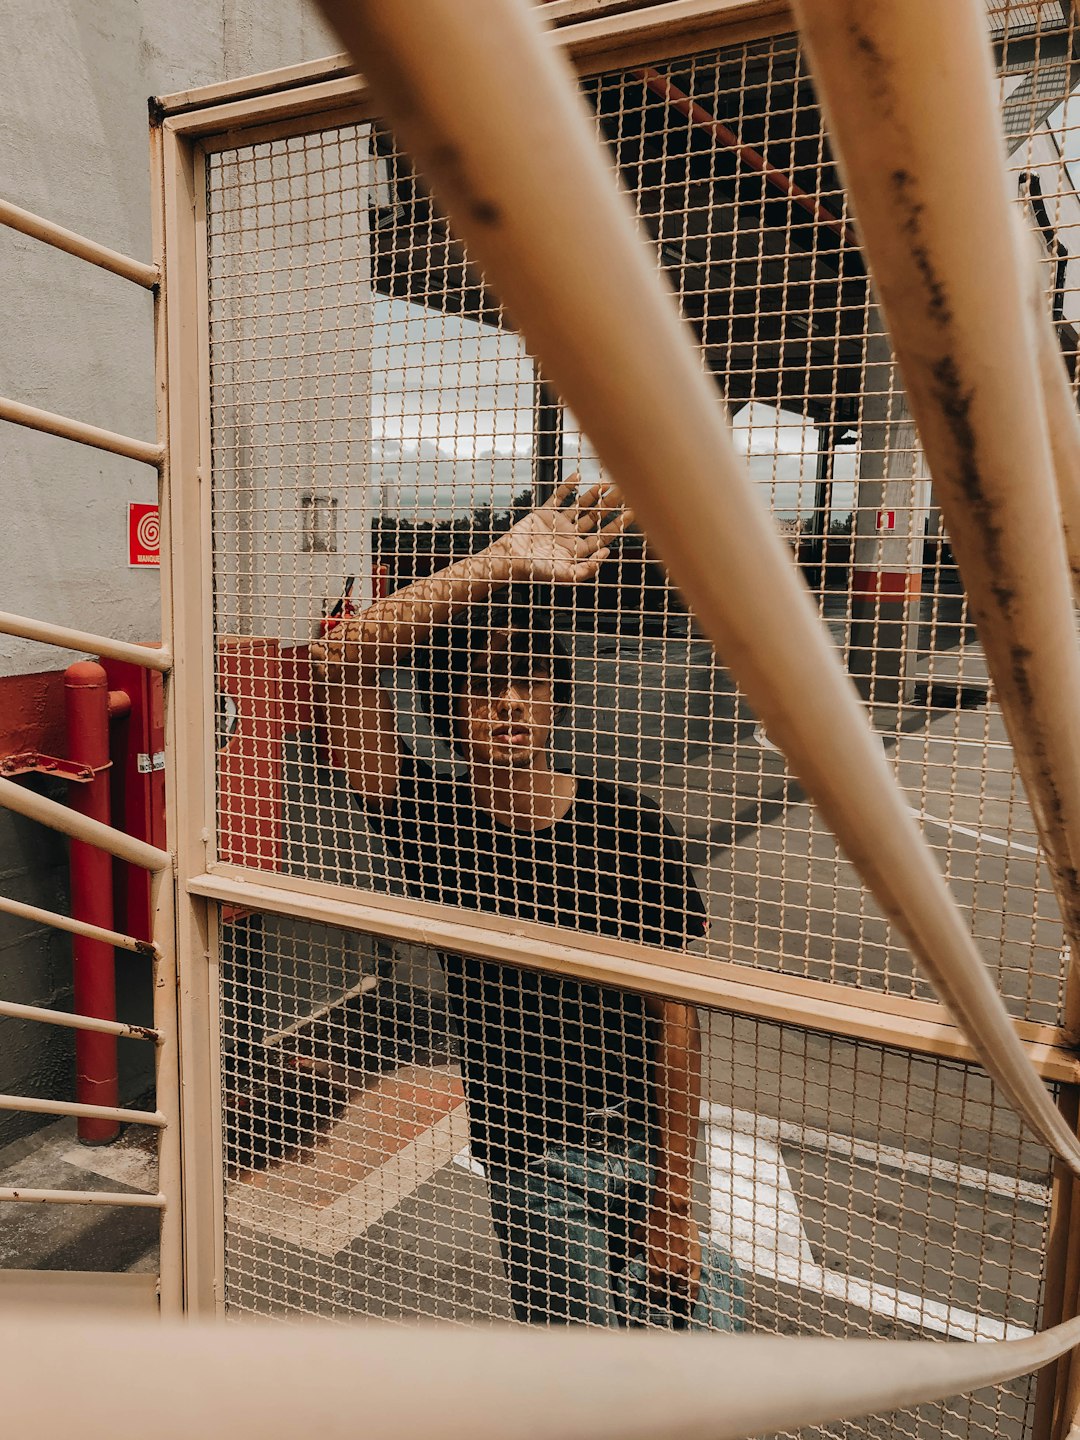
539 1050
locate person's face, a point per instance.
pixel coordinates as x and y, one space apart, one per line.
506 711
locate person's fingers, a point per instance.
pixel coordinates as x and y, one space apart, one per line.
588 567
610 498
593 505
588 520
597 505
561 493
607 533
590 497
620 522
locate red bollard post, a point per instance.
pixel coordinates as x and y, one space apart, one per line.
87 708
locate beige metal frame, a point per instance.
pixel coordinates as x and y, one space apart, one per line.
185 128
296 101
103 1290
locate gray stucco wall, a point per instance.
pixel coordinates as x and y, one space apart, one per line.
75 77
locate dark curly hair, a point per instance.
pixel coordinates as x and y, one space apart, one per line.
501 630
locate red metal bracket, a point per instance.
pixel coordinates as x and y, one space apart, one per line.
32 762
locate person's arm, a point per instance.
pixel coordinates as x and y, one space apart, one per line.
360 721
559 542
670 1236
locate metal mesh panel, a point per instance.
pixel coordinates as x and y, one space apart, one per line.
377 426
375 418
858 1190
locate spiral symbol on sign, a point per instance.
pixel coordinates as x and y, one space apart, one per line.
148 531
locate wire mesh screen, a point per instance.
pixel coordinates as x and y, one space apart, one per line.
376 422
509 711
839 1188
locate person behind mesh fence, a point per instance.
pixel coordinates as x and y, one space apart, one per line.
582 1101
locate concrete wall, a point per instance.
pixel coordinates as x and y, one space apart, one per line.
75 79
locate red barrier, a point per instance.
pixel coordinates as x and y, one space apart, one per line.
88 704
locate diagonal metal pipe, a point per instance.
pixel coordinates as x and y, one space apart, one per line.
49 233
145 451
150 657
723 135
954 273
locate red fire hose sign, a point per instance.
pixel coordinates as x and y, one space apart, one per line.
144 535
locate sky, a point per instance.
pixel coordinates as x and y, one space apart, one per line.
452 421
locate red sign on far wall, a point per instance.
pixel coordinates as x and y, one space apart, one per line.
144 535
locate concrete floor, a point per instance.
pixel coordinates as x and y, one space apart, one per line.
79 1237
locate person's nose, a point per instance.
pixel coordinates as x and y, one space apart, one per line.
510 700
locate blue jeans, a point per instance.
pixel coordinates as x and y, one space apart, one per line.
565 1224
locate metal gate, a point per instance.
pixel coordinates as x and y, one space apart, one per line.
94 1025
350 411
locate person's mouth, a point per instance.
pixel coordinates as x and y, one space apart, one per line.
510 735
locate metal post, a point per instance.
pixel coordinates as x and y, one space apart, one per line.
86 701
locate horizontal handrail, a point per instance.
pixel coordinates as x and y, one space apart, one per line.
261 1382
32 1105
49 233
65 1018
151 657
23 911
83 1197
147 452
81 827
920 1026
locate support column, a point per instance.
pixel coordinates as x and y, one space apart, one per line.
1054 1415
891 502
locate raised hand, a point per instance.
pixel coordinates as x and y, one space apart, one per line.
567 539
562 542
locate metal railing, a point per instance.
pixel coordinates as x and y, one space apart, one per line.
160 950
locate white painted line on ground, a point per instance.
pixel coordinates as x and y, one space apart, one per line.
973 834
464 1161
763 740
385 1188
955 740
766 744
908 1162
755 1214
